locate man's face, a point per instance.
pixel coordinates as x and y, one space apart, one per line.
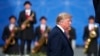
12 21
91 21
67 23
43 21
27 6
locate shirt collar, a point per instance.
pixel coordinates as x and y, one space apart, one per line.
60 28
28 10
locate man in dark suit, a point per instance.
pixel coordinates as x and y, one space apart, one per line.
8 33
93 46
58 43
27 34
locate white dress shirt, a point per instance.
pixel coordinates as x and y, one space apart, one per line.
28 11
11 27
91 26
43 27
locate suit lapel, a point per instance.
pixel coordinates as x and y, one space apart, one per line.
65 37
24 13
46 28
31 13
67 40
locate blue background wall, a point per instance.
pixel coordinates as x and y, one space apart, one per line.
79 9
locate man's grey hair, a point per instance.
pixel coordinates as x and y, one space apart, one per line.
63 16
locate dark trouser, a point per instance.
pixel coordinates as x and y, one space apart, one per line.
23 42
90 54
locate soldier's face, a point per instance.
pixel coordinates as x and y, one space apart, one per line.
27 6
43 21
12 21
91 21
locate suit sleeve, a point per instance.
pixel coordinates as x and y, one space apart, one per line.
55 46
20 19
95 3
36 34
97 31
85 34
4 34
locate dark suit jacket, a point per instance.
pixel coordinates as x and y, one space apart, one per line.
96 4
28 33
93 43
58 44
6 33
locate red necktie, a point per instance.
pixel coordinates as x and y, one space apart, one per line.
27 15
42 31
